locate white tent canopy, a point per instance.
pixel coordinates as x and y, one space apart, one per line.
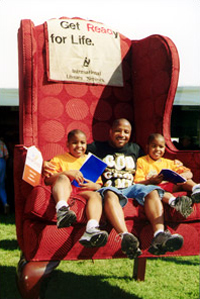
187 96
9 97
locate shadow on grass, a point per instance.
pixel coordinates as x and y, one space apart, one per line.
9 244
180 260
62 285
8 288
8 219
75 286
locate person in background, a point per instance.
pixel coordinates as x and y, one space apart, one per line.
187 143
149 167
4 155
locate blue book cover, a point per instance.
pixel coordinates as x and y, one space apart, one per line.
172 176
92 169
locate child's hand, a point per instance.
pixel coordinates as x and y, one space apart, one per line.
87 184
156 179
48 169
75 175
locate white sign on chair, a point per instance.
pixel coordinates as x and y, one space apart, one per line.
83 51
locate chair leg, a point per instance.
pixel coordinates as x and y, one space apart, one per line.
30 276
139 268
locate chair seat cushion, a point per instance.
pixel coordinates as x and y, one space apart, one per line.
41 205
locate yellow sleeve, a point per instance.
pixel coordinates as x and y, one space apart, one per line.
56 162
99 181
181 169
175 167
140 174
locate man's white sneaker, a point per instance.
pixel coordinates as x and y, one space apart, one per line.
94 238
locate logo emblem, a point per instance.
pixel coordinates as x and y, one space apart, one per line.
86 62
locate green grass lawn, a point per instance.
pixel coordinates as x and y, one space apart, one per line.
166 278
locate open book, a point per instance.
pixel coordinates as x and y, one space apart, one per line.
172 176
91 169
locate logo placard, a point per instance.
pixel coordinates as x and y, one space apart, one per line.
83 51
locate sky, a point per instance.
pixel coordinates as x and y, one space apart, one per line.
136 19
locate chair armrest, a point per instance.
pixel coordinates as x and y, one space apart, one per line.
190 158
21 188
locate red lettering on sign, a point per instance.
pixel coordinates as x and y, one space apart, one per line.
97 29
102 29
90 27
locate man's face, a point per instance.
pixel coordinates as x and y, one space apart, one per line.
120 134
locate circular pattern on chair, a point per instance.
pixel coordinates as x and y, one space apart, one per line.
55 107
77 109
52 131
93 106
123 110
51 89
50 150
101 91
101 131
123 94
103 111
79 125
76 90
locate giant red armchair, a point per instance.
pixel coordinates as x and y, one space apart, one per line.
48 110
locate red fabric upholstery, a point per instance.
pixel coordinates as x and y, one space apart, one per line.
49 110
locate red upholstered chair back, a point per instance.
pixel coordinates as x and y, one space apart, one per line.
49 110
